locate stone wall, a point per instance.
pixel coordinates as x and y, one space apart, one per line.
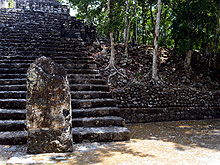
139 103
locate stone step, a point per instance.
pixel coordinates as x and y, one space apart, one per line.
13 70
94 112
12 103
9 61
12 94
80 66
22 42
42 42
17 61
12 114
74 94
88 87
90 94
13 137
10 76
76 103
86 81
104 121
73 76
12 125
89 58
28 49
82 71
13 87
76 62
47 53
71 52
84 76
69 71
20 114
22 57
92 103
80 134
14 65
98 134
71 81
66 66
12 81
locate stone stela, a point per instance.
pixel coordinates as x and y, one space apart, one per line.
48 108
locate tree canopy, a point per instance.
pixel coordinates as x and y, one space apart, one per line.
184 25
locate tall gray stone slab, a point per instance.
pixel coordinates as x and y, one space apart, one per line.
49 115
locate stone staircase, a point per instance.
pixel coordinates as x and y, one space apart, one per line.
95 113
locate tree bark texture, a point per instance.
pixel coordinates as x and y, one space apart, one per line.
128 32
126 20
155 77
216 38
136 27
152 20
143 22
164 28
188 61
112 58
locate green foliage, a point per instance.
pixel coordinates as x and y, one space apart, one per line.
193 24
10 3
190 24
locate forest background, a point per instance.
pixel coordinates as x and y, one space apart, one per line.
183 26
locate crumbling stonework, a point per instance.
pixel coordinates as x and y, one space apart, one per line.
49 116
142 103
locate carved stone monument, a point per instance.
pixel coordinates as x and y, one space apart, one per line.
49 116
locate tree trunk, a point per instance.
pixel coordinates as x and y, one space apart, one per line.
87 17
155 77
109 10
121 36
216 38
152 21
188 61
128 31
126 20
164 28
112 58
136 27
116 35
209 54
143 22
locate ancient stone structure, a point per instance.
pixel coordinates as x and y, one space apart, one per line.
35 28
49 116
141 103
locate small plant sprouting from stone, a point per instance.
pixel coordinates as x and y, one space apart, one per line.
11 4
138 75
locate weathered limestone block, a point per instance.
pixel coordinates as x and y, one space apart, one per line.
49 116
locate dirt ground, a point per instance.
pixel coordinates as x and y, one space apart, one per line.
178 142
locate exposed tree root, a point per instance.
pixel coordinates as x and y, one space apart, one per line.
159 82
114 71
